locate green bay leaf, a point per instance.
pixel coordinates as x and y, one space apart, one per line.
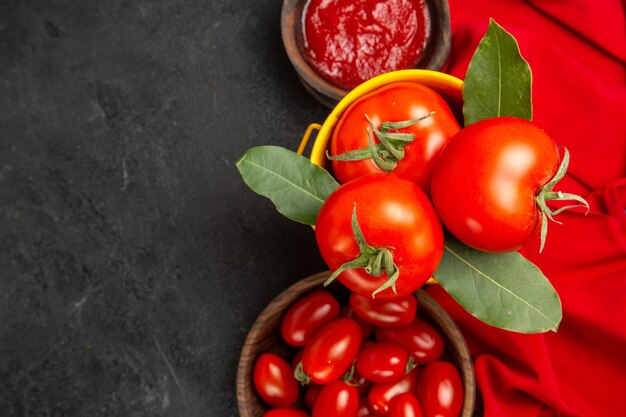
498 80
296 186
504 290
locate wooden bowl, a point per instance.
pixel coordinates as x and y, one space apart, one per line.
265 336
435 55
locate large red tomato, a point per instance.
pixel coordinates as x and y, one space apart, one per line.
440 390
330 352
491 182
379 232
274 381
395 102
307 316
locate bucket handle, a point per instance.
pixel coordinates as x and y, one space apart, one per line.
306 136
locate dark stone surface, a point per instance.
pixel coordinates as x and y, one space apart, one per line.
133 258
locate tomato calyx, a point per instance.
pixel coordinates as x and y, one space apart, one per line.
374 260
348 378
546 194
410 365
302 377
390 150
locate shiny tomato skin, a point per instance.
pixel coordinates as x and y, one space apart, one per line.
423 341
440 390
380 395
308 315
330 352
395 102
393 213
336 399
348 312
285 412
382 362
486 179
397 312
274 381
405 405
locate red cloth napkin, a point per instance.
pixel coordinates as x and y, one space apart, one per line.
577 52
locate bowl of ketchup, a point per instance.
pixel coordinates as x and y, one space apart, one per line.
336 45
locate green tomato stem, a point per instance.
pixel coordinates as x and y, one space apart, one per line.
546 194
374 260
389 151
300 375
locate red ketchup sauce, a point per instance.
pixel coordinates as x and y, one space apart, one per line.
350 41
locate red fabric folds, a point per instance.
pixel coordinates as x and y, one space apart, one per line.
577 52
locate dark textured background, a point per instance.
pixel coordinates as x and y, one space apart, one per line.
133 258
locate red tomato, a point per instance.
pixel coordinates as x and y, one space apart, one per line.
380 395
385 313
405 405
285 412
336 399
274 381
396 220
382 362
395 102
440 390
310 395
308 315
487 179
423 342
330 352
348 312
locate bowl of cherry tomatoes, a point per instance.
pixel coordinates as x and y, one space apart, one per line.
323 351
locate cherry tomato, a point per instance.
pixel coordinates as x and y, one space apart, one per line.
440 390
285 412
405 405
486 180
310 395
380 395
330 352
308 315
395 102
395 220
348 312
336 399
385 313
274 381
382 362
423 342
